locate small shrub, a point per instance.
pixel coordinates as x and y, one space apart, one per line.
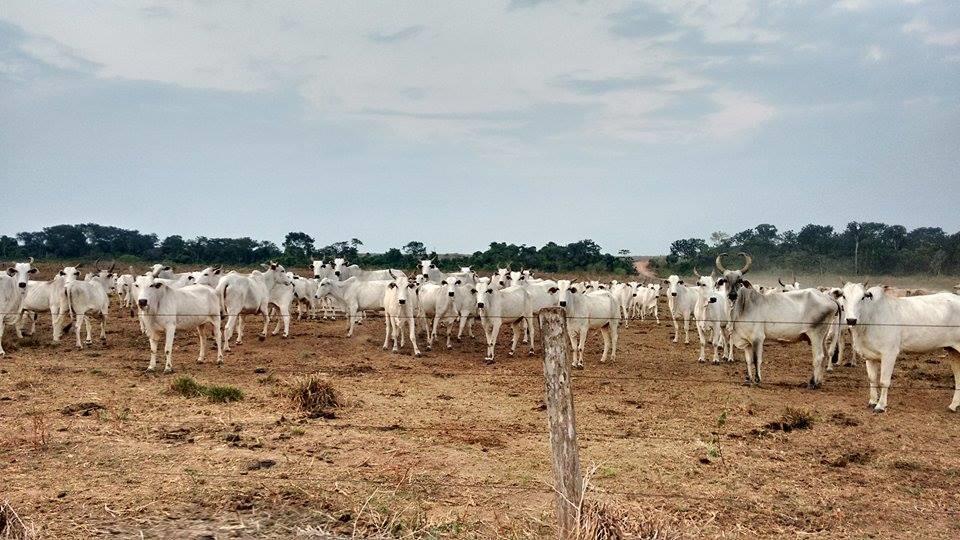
314 394
223 394
792 419
187 387
12 527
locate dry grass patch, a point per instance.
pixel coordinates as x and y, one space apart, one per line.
12 527
186 386
791 419
314 395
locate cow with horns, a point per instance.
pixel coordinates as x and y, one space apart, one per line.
755 317
13 289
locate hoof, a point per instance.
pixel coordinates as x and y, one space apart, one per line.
261 337
952 409
871 406
168 370
88 342
429 347
510 353
578 366
878 410
449 347
151 370
418 355
716 362
531 352
385 347
701 360
238 342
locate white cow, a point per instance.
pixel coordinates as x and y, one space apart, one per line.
438 304
13 288
242 294
45 297
682 301
597 309
885 325
167 309
623 292
503 305
303 290
539 296
355 295
89 299
281 296
712 318
430 272
401 306
646 300
756 317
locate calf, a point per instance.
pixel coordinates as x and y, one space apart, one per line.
498 305
711 314
598 309
885 325
13 288
682 300
646 300
167 309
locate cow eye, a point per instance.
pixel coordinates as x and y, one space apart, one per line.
62 273
574 289
444 282
76 274
489 291
157 285
473 291
457 282
410 285
393 285
432 266
868 295
680 282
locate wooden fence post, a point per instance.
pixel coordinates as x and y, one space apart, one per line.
561 421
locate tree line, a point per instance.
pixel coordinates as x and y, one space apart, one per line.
91 240
861 248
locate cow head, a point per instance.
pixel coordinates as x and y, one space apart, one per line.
854 297
338 265
450 285
673 284
426 267
733 279
483 291
149 292
21 272
71 273
320 268
564 291
704 283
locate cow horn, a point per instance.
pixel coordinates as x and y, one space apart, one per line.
749 263
713 272
719 262
695 272
78 265
112 266
31 260
780 281
391 274
96 265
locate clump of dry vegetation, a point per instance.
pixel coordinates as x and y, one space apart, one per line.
605 520
792 419
12 527
314 395
186 386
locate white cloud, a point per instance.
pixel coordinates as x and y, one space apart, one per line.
930 35
875 54
450 69
852 5
739 113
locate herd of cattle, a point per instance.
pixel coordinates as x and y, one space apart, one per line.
727 310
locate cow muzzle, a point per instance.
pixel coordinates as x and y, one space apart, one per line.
22 284
402 301
673 294
450 294
337 273
426 276
851 322
142 303
732 296
712 300
480 305
316 276
563 303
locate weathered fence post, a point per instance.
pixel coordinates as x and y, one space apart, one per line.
561 421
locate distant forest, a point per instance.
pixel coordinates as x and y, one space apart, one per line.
91 240
865 248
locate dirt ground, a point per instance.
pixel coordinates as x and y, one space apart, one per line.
448 446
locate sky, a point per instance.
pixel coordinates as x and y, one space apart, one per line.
459 123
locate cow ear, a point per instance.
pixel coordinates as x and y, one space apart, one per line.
553 290
444 282
746 283
837 294
11 271
32 271
167 268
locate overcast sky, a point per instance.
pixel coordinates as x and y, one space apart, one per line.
461 123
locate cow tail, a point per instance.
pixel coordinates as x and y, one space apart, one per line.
70 304
223 299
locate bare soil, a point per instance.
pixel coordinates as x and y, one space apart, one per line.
448 446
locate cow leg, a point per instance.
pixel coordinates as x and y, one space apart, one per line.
265 310
387 330
78 329
581 345
154 338
413 337
276 329
103 327
818 348
86 323
228 330
873 379
450 322
33 322
887 361
676 329
19 324
526 331
352 315
531 324
169 333
492 338
758 361
853 350
218 338
518 331
703 342
57 325
748 357
240 329
203 344
686 330
953 355
614 339
605 333
656 313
